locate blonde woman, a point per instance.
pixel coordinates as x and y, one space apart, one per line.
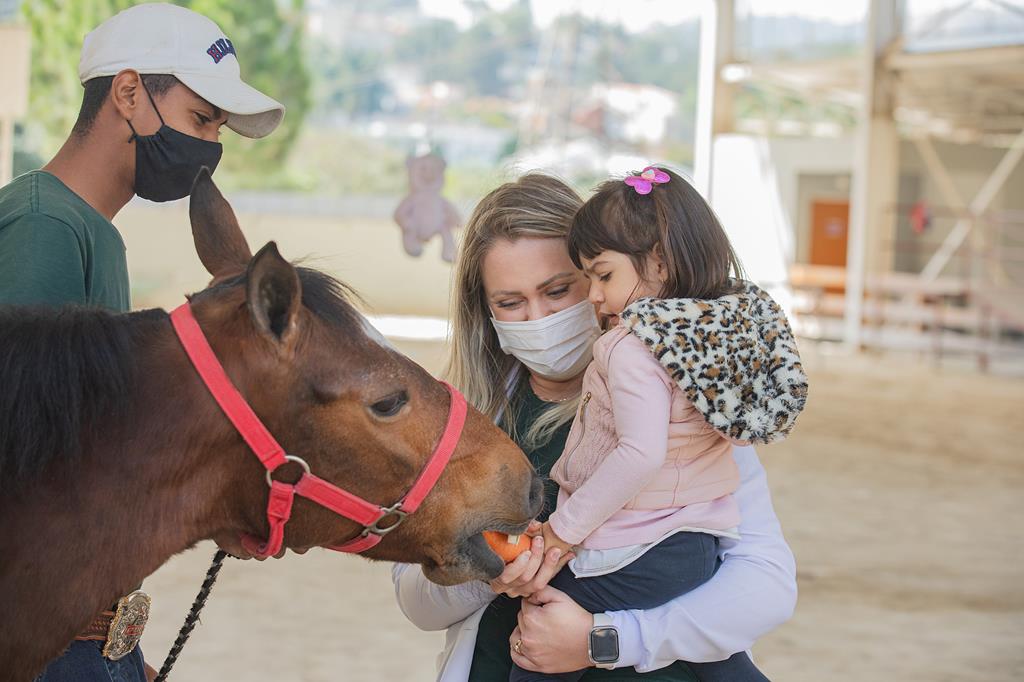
522 336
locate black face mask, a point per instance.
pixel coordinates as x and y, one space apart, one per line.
167 162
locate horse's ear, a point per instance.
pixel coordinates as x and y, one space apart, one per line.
273 292
219 240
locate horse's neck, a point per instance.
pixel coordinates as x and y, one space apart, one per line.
153 486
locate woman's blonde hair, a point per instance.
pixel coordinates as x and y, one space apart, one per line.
535 205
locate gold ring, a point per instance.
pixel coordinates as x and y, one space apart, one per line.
518 647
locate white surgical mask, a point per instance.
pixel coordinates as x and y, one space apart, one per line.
556 347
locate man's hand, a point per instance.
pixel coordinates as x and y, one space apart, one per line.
554 631
150 673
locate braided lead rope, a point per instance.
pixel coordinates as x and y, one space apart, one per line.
193 615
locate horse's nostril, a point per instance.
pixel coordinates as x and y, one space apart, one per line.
536 495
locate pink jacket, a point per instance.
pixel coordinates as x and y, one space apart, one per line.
638 446
669 391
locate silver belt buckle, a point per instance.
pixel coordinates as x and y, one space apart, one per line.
127 625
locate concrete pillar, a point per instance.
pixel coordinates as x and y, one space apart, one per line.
6 149
714 96
14 76
875 170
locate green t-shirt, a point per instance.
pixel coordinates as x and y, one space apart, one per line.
492 661
55 249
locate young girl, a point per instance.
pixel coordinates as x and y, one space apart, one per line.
694 359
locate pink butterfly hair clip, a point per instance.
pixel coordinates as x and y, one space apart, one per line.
648 178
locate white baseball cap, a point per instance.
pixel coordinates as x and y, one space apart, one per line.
167 39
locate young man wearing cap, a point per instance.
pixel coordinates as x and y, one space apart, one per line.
159 82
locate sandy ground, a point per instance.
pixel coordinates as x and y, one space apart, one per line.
899 492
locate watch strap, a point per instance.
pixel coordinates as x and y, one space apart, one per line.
602 621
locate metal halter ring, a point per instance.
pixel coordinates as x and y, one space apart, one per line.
394 510
289 458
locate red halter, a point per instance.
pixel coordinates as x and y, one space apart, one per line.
272 455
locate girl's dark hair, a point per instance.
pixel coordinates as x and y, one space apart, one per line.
674 221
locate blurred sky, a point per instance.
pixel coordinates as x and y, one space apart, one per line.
637 15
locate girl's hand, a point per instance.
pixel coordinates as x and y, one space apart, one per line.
551 539
554 632
532 569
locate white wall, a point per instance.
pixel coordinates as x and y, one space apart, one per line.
363 251
755 191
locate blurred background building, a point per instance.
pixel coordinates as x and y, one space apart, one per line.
881 185
863 156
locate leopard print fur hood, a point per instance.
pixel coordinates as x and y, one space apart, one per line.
734 357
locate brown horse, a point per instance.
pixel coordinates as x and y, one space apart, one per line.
114 457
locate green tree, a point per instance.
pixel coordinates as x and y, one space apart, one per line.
267 34
493 51
55 94
347 79
430 47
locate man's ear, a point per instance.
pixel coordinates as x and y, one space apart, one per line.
125 93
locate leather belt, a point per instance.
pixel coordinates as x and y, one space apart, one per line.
120 629
97 630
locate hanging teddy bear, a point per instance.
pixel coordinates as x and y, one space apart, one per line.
425 213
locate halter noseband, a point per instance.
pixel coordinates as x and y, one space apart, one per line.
271 455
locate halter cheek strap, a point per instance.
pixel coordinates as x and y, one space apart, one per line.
377 521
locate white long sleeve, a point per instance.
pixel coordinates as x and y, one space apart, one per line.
753 592
430 606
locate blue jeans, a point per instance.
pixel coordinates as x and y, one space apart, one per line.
84 662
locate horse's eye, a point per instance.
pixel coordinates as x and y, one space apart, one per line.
390 406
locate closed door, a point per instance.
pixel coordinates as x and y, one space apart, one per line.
829 224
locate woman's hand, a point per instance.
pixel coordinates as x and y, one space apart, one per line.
553 634
532 570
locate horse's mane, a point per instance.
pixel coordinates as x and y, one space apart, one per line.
326 297
64 373
61 372
329 299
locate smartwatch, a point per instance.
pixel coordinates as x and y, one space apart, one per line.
603 648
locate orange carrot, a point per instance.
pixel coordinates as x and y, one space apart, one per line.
499 542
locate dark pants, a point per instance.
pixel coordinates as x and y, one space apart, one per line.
678 564
84 662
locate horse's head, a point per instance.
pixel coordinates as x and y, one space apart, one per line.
362 415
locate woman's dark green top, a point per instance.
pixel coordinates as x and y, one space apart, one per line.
492 661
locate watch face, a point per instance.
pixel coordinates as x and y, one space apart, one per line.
604 645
